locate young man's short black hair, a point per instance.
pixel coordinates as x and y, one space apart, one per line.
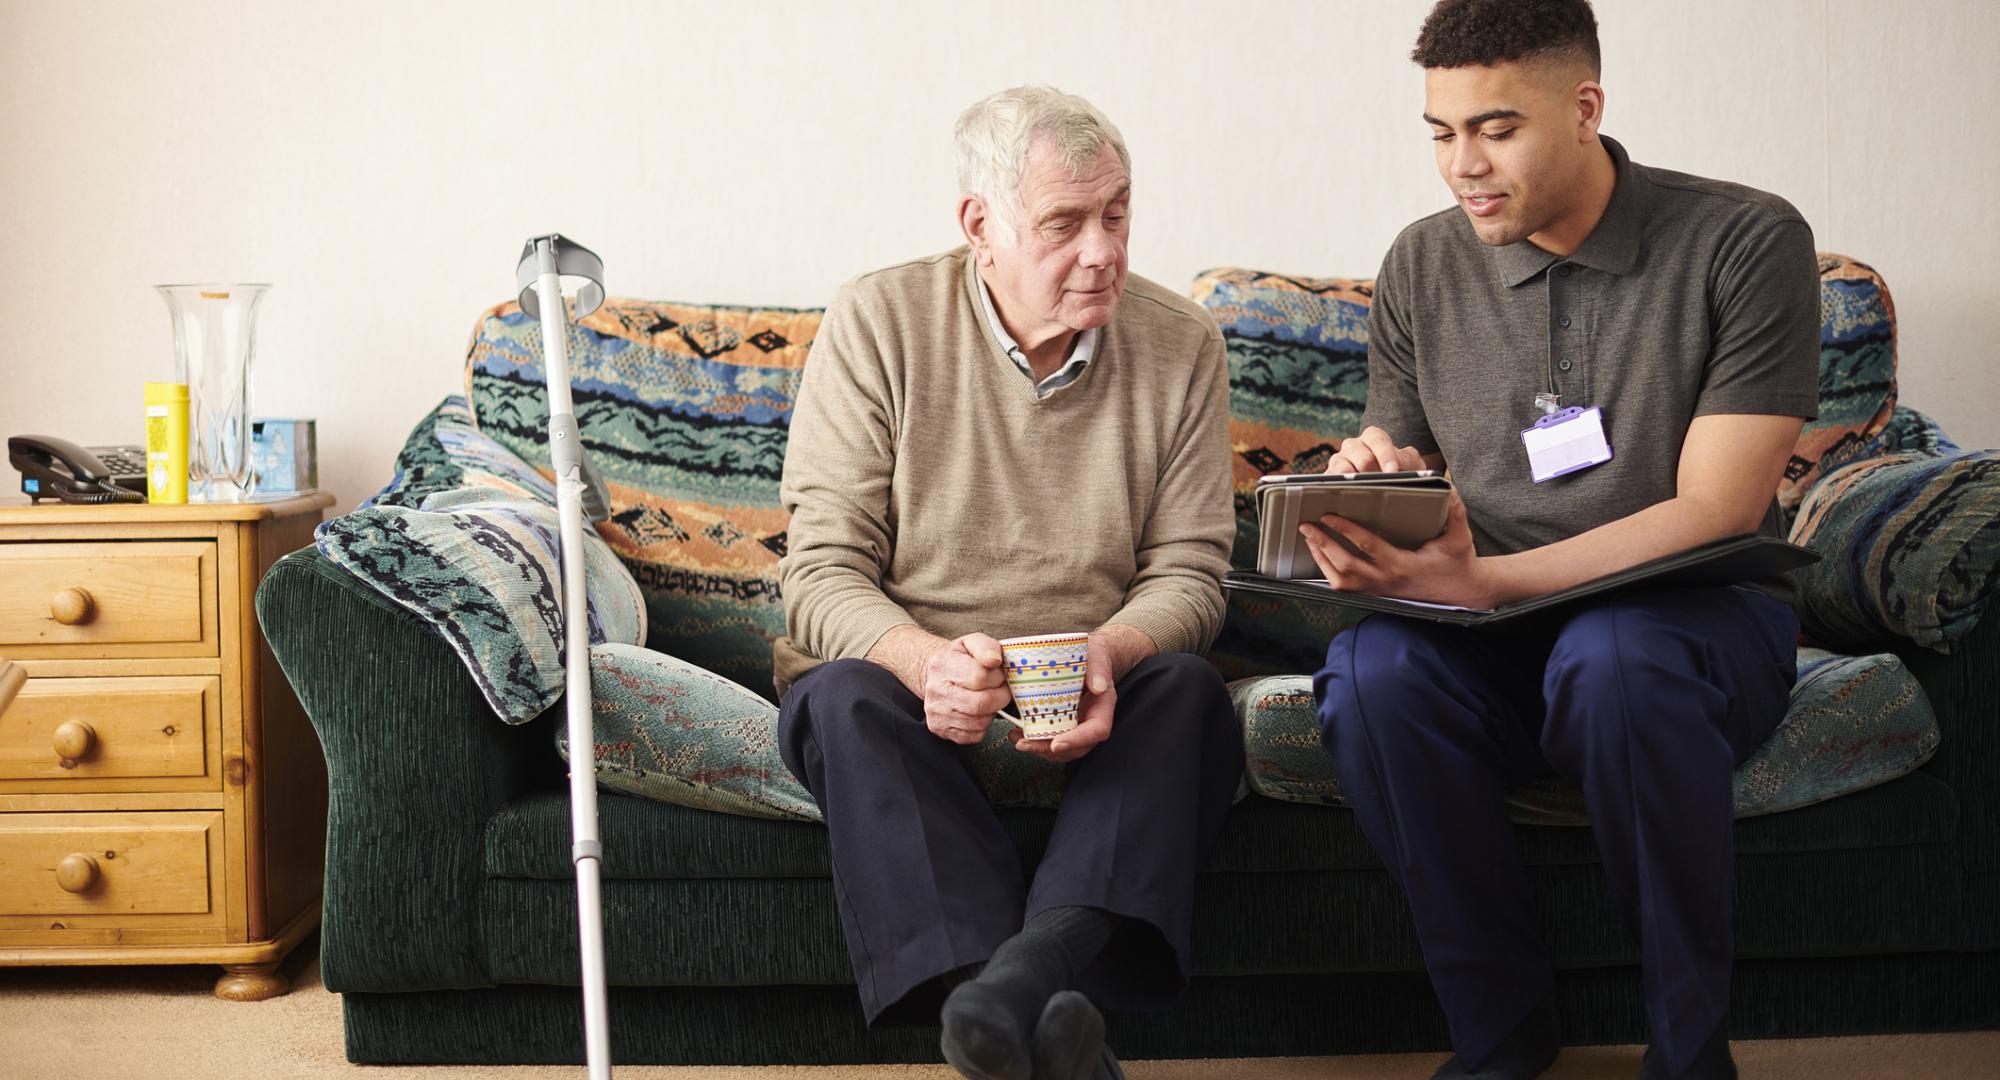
1460 33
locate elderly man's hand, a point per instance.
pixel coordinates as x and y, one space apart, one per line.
1374 451
964 684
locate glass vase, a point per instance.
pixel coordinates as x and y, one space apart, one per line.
215 342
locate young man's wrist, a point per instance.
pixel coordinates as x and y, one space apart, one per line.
1494 582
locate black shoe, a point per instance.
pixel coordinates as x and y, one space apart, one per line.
1525 1053
1069 1039
1711 1062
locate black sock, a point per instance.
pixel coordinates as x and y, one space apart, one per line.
1083 931
989 1023
1069 1039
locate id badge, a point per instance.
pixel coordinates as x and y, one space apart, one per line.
1565 442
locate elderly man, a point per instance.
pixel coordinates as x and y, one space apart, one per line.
1011 438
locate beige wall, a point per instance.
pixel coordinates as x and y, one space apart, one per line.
382 163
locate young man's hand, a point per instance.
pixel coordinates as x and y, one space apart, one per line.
1446 570
963 686
1374 451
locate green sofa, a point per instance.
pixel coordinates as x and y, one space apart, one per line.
450 920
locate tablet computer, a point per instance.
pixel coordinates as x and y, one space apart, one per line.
1405 508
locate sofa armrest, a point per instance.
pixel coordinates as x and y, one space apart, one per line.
416 763
1962 687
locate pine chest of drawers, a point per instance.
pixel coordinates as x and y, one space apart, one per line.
162 796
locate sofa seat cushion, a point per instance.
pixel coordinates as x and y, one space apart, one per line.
1853 722
528 838
1911 544
684 410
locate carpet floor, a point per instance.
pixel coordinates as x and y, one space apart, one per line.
164 1024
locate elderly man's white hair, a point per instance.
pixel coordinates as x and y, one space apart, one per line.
993 138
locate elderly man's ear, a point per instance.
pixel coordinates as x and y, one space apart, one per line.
977 227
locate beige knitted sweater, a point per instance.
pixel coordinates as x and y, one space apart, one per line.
928 484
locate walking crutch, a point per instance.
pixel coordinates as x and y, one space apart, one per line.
545 262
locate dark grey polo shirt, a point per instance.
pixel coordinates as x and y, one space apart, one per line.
1691 297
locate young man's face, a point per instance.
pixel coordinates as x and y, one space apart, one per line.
1511 142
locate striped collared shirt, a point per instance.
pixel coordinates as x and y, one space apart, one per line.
1080 351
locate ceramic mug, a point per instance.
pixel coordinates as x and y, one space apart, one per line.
1045 673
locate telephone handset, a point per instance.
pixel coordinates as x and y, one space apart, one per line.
53 468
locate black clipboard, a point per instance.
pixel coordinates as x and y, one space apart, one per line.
1729 561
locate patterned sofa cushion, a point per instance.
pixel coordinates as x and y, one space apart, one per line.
1912 546
1298 377
1911 431
674 732
1857 374
479 562
1298 374
423 465
683 409
445 452
1853 722
669 730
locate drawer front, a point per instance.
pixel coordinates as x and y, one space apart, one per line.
83 734
77 599
113 864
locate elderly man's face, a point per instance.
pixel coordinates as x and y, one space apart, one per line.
1066 266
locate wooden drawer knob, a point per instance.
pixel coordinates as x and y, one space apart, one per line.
74 740
76 873
70 606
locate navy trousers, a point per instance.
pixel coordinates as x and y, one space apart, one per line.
1646 701
926 878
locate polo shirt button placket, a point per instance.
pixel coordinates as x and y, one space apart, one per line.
1560 297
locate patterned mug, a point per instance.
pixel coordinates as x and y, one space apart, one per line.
1045 672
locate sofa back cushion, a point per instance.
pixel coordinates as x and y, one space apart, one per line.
1857 374
1298 375
683 409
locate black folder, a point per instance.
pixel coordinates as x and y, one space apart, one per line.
1729 561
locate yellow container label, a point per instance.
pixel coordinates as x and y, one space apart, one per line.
166 442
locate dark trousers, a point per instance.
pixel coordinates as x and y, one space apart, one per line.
1646 701
926 879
